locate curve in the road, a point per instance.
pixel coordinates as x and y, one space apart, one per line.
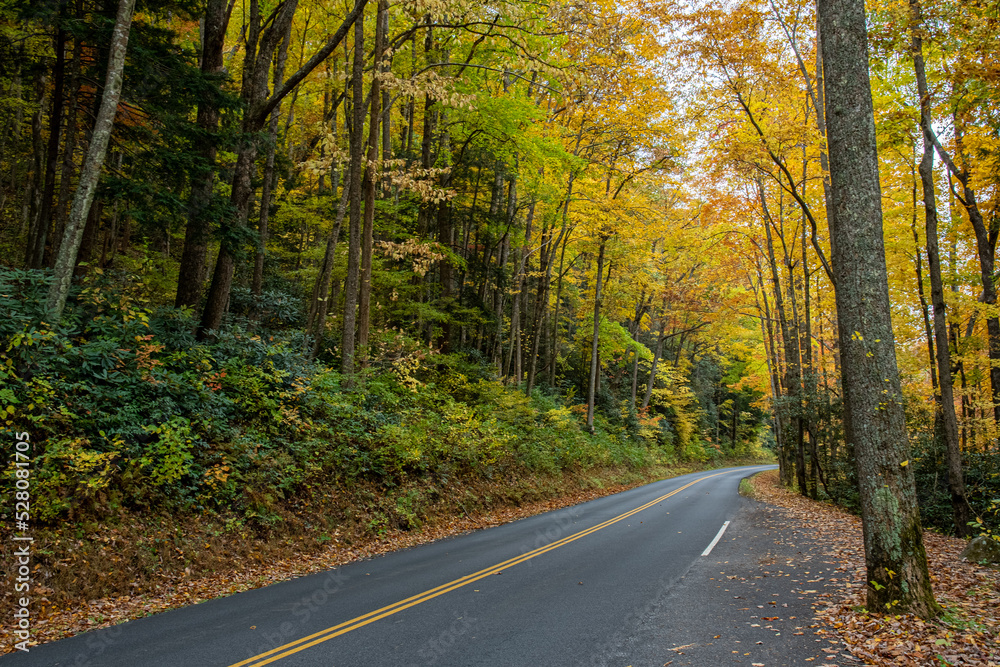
309 641
586 602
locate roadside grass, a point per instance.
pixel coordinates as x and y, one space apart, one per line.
748 489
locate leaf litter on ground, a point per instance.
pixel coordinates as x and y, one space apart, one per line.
967 633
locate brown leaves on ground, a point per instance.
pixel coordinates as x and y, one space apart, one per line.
968 633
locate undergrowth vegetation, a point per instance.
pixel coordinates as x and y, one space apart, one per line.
129 412
167 456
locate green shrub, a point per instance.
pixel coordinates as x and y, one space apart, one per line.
133 411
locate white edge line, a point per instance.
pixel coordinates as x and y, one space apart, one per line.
718 537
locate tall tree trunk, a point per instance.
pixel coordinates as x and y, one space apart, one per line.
352 281
91 170
534 323
386 121
986 245
33 194
595 366
793 351
258 106
90 230
464 249
321 290
320 304
10 127
427 134
773 362
561 242
513 365
809 373
636 325
256 67
191 274
949 420
69 146
444 237
368 187
874 422
792 379
502 286
924 308
406 142
824 159
656 358
45 217
543 284
270 179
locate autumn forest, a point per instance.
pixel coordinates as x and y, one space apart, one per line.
313 270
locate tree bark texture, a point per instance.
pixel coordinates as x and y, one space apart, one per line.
191 274
352 280
949 420
874 422
792 381
45 217
258 107
91 169
368 187
270 180
595 366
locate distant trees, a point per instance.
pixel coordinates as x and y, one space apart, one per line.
762 101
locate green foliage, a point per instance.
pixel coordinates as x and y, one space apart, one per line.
273 308
982 480
246 421
613 341
167 459
70 474
989 525
677 402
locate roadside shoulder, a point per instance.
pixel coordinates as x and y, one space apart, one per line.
968 633
752 600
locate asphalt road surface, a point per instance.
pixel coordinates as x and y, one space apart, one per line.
577 586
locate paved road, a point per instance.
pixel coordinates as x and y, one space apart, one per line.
577 586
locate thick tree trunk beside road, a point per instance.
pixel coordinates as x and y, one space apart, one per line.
874 422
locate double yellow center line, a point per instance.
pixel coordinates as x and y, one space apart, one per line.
286 650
